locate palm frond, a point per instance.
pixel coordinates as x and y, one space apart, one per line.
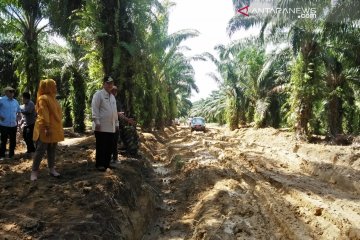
239 21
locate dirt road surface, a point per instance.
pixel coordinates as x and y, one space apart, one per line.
257 184
244 184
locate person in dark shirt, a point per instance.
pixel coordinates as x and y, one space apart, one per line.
126 132
29 118
114 154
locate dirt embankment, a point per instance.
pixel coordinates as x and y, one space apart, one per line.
245 184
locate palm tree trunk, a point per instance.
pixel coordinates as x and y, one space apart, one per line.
79 102
335 116
159 119
31 60
304 114
149 108
351 116
233 114
335 82
172 109
67 114
124 61
108 39
304 81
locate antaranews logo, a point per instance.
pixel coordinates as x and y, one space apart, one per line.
244 10
270 7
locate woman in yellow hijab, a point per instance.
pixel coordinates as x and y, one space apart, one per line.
48 130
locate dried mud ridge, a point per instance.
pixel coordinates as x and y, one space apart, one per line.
245 184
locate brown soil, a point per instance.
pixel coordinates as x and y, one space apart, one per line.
244 184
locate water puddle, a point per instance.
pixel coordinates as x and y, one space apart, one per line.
160 169
205 158
185 145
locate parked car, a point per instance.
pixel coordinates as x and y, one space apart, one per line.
198 124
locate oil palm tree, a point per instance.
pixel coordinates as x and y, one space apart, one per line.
229 78
303 36
24 18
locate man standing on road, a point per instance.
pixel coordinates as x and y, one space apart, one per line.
9 110
105 123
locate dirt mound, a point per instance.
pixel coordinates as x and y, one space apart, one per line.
83 203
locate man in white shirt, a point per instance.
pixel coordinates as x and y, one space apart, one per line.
105 123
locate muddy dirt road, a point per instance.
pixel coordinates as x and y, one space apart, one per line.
218 185
256 184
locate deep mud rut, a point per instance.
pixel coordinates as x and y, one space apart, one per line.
255 184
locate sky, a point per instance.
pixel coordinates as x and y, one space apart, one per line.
210 18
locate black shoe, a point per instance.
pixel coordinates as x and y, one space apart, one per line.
101 168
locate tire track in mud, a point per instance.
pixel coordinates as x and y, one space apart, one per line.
303 205
304 198
216 187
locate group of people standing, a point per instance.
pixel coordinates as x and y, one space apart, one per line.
42 124
9 115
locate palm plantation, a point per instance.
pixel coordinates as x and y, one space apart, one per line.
278 157
292 75
304 82
127 40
